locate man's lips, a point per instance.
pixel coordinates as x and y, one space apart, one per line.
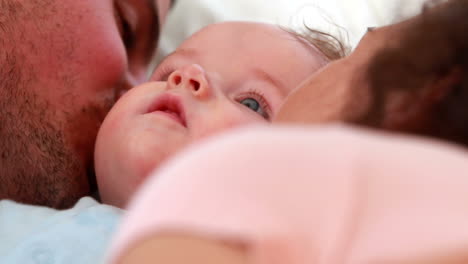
170 106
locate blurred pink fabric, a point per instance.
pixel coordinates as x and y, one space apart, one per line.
302 195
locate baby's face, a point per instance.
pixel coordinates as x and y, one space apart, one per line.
227 75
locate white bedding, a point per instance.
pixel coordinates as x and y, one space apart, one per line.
355 16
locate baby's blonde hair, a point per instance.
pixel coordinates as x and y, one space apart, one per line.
331 47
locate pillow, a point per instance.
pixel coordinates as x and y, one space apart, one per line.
347 19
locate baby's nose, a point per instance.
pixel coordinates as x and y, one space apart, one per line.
193 78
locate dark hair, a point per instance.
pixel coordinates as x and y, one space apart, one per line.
433 46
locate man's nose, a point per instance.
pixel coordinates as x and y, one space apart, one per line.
193 79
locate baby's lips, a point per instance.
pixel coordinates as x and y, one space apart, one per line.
171 106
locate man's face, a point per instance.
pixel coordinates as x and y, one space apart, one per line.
63 63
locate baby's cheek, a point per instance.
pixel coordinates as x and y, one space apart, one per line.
140 161
228 120
149 152
243 116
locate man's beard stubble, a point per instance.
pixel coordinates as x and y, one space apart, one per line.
36 164
46 145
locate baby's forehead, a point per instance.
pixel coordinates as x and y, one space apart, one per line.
254 34
237 49
239 28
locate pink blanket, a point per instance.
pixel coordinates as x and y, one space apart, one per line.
313 195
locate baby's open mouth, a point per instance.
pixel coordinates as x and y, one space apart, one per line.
171 106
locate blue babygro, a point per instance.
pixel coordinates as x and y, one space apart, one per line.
39 235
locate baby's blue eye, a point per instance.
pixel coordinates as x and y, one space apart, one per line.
252 104
259 106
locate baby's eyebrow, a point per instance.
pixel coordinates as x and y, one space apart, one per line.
263 75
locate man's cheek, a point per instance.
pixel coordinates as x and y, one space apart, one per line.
106 62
